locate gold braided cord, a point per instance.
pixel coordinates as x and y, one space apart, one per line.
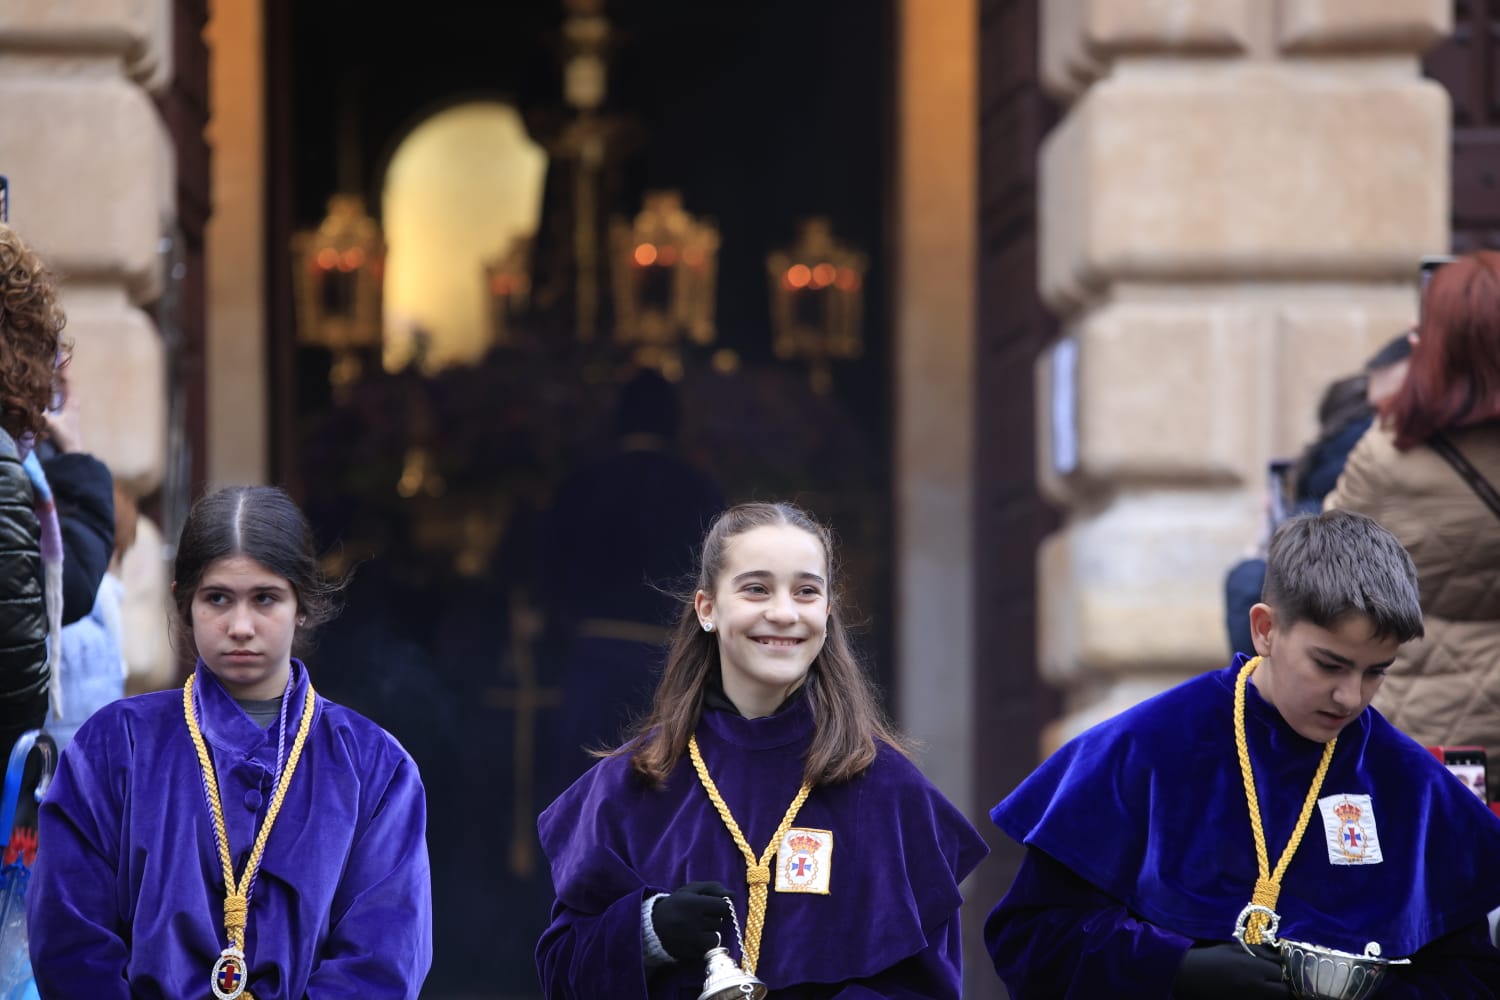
237 894
1268 885
757 873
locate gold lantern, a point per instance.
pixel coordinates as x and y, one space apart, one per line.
507 285
817 301
664 266
340 266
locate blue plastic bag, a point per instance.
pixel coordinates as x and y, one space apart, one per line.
16 982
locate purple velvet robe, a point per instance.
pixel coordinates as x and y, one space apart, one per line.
1140 845
127 897
889 926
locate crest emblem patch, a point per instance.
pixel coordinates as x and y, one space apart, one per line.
1349 823
804 861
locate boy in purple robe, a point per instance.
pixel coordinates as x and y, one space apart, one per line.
1161 839
764 794
241 837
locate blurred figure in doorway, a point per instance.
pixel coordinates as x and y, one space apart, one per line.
618 541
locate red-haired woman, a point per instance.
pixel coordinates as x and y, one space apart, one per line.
1444 688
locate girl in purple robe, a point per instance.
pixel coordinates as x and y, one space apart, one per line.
764 777
241 836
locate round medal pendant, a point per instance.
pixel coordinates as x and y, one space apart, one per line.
228 979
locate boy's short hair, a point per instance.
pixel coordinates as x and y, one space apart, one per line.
1321 568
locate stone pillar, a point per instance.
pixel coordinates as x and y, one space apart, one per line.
1232 211
936 211
92 190
936 215
90 168
236 355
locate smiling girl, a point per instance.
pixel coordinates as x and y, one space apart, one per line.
241 836
764 773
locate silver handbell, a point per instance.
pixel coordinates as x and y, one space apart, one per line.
727 981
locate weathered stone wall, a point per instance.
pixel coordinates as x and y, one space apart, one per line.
92 185
1232 212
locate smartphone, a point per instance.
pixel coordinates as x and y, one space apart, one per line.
1429 265
1426 269
1470 765
1278 489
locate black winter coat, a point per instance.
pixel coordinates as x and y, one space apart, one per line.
23 610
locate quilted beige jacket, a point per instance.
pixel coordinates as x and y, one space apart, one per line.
1445 687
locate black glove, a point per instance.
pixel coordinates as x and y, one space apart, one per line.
1226 972
687 921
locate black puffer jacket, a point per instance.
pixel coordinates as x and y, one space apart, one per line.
23 610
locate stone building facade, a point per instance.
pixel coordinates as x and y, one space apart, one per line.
1225 215
92 171
1232 210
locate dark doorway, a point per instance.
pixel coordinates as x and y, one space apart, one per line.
761 117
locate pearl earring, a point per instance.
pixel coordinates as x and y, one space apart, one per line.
302 620
708 626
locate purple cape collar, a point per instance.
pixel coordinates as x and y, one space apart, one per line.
790 725
225 725
1150 808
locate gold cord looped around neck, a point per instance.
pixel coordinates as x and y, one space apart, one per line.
757 873
1268 885
237 894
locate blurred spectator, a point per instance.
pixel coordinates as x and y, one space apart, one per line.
94 668
87 673
84 492
1344 415
1444 688
1387 369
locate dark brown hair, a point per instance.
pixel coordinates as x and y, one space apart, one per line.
1454 378
31 347
1324 568
849 721
263 523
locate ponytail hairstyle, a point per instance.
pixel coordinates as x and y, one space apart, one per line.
848 721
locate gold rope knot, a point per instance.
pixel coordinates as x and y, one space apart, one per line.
1268 885
235 909
757 873
1266 893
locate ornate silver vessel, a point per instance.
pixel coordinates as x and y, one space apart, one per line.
1318 973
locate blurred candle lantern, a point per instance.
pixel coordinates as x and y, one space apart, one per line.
817 301
340 266
664 266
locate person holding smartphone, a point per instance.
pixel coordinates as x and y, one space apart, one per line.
1298 487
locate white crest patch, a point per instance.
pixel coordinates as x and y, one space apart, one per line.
804 861
1349 824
